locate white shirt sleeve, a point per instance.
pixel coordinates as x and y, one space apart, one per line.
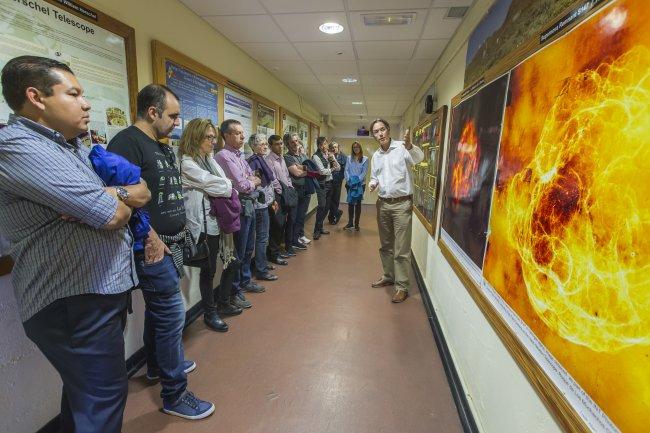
194 176
374 173
321 168
416 155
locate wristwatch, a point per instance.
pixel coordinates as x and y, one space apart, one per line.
122 193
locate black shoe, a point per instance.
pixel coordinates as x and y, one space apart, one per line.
239 300
268 277
300 247
348 226
214 322
356 228
253 287
281 256
290 253
280 261
324 232
228 309
316 236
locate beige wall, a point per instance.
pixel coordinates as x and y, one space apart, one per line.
502 399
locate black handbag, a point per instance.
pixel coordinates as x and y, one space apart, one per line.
196 253
289 196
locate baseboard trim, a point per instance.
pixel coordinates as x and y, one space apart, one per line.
133 364
460 398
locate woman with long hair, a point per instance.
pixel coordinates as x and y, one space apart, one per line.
202 178
355 183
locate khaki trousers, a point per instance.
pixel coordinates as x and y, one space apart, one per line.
394 223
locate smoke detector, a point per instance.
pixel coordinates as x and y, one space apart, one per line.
389 19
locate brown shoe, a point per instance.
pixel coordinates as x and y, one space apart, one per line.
400 295
382 282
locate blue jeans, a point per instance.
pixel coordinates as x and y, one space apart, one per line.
261 240
82 337
301 216
164 318
244 246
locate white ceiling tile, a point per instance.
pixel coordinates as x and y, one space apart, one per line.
384 66
344 68
378 97
304 27
384 50
309 88
247 28
333 79
430 49
420 66
380 108
291 78
385 90
341 91
364 5
211 7
451 3
346 99
325 50
400 107
382 80
363 32
278 67
418 79
270 51
293 6
439 27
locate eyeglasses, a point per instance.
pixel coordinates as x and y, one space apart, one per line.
211 137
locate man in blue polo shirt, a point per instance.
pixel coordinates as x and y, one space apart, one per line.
73 261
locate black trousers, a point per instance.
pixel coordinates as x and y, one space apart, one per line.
206 278
82 337
336 200
280 230
324 204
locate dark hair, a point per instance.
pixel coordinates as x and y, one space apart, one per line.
273 138
320 140
153 95
372 125
360 151
225 125
287 138
29 71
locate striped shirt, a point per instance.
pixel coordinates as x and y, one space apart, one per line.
43 177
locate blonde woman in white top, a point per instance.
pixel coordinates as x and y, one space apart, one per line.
203 178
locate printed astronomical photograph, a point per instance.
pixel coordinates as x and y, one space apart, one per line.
569 245
507 26
471 162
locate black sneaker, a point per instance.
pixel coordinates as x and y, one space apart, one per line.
299 247
348 226
239 300
228 309
290 252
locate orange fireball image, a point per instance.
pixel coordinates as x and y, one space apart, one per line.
569 244
471 161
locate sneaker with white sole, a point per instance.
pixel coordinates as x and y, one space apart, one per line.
188 367
189 407
305 240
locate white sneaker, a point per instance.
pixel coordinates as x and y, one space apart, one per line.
304 240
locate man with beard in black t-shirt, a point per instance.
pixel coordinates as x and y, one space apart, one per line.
160 264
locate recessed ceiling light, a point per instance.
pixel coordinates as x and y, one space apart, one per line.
331 28
357 103
349 80
389 19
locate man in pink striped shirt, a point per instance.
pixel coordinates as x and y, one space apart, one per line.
279 227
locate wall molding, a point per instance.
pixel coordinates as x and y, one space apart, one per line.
465 414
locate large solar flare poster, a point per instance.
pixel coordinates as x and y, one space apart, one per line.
471 161
569 243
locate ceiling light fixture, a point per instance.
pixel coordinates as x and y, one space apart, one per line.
349 80
357 103
331 28
389 19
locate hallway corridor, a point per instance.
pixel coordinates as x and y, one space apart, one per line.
320 352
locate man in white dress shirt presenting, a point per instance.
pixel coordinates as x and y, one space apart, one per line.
391 175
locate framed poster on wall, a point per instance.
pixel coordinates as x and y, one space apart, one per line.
99 49
265 120
313 136
558 262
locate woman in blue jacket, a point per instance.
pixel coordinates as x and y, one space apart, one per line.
355 183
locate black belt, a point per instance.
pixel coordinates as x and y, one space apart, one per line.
396 199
